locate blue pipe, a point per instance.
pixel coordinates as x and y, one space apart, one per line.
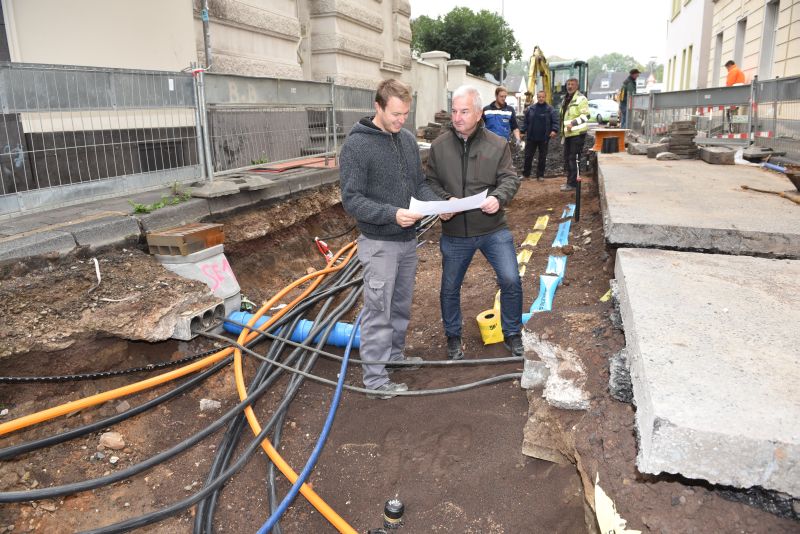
312 460
338 337
774 167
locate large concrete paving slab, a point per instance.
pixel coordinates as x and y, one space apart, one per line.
715 365
692 205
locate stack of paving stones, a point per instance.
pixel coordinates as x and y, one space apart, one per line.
681 139
435 129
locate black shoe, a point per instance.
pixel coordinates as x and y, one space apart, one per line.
514 344
454 351
411 359
387 390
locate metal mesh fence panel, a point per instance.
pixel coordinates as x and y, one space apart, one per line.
243 135
68 126
777 122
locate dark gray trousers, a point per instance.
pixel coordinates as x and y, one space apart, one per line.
389 271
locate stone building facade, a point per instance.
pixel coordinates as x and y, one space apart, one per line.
355 42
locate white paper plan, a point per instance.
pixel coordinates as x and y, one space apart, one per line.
438 207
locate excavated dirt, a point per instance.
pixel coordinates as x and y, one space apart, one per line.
454 460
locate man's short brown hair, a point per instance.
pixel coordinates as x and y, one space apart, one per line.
392 88
729 63
500 89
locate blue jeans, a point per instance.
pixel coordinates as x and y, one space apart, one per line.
623 116
498 249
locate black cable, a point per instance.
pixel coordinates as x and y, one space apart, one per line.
400 364
410 393
338 235
339 281
206 508
75 487
104 374
326 324
16 450
159 515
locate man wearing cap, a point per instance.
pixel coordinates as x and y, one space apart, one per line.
628 90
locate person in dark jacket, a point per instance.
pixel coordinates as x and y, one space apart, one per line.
380 170
625 95
465 160
540 125
500 118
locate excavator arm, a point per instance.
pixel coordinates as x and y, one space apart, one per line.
538 68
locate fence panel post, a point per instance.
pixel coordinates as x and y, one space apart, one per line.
335 126
201 155
209 166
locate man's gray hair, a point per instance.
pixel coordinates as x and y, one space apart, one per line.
573 78
470 91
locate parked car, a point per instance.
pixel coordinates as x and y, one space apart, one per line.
602 110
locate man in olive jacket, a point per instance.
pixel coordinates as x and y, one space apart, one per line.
463 161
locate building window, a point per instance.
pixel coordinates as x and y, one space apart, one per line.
768 40
688 68
676 8
683 68
715 79
668 74
674 66
738 53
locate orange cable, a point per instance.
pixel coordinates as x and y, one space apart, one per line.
327 512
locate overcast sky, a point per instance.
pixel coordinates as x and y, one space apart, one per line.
592 28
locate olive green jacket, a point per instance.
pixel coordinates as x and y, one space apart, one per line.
459 168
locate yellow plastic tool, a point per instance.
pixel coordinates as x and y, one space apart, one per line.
489 325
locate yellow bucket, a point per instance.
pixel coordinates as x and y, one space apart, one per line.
489 325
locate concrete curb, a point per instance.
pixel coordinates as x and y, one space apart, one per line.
121 230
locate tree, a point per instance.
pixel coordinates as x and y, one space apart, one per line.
517 68
611 62
481 38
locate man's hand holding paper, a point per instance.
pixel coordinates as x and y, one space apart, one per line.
448 206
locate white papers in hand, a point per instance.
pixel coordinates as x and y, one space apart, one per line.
447 206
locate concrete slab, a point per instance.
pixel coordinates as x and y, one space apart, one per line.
715 365
695 206
37 244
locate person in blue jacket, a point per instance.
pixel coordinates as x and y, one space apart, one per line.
499 117
540 125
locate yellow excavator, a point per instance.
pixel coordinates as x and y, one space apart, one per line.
538 71
552 78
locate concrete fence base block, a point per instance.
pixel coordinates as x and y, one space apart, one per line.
717 155
655 150
637 149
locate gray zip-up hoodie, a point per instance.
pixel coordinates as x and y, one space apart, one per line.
379 173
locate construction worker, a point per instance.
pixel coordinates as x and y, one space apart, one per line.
574 125
735 74
541 124
499 117
380 170
735 77
467 159
625 93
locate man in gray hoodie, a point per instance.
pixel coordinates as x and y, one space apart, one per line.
380 170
